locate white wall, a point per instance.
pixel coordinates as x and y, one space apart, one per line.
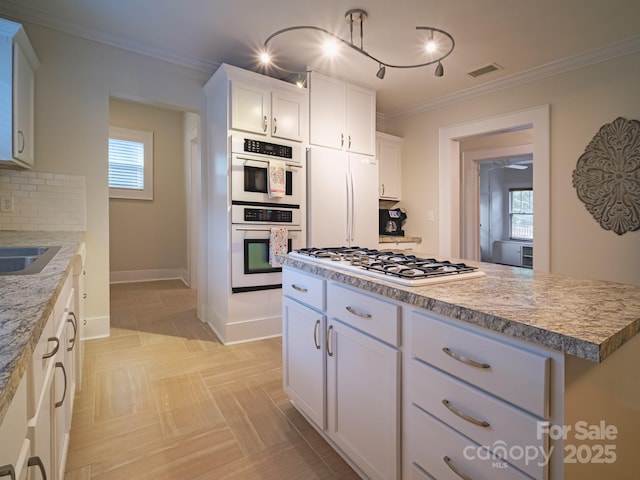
581 102
74 81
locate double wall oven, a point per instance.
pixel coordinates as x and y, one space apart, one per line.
254 212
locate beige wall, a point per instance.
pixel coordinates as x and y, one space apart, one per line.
581 101
74 82
143 234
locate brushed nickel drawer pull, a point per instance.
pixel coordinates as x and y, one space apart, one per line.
447 460
353 311
464 416
60 365
8 470
315 334
300 289
465 360
74 323
37 462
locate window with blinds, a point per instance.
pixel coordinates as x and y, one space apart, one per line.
130 164
521 213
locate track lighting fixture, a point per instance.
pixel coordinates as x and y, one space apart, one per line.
438 45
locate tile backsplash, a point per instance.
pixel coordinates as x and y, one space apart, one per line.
42 201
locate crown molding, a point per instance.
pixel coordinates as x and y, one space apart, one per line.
607 52
14 9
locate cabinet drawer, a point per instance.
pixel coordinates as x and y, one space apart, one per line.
477 415
366 313
305 288
442 452
510 372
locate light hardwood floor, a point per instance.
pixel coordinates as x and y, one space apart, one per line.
162 398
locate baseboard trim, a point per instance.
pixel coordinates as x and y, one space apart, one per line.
132 276
95 327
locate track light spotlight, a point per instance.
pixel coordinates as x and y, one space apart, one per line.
381 71
439 70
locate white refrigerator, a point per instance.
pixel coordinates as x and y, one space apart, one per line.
342 194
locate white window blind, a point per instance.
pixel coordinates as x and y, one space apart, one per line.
126 164
130 164
521 213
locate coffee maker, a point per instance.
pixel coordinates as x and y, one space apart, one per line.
390 221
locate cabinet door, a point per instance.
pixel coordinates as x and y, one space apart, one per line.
389 155
40 429
304 373
249 108
23 98
327 194
14 429
61 416
363 393
360 120
327 111
364 202
287 115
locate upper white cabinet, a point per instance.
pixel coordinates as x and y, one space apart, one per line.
256 107
341 115
17 66
389 154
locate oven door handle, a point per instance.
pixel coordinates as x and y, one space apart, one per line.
246 161
258 229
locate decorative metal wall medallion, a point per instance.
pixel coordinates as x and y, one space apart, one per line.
607 176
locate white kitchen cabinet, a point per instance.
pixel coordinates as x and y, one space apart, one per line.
342 369
17 93
341 115
13 432
342 199
277 113
518 254
304 376
363 400
389 154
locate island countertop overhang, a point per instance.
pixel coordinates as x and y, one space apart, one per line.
587 318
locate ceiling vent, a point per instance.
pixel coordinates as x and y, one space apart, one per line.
484 70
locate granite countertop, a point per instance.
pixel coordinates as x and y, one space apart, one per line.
586 318
26 301
398 239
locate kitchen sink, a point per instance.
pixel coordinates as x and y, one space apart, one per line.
25 260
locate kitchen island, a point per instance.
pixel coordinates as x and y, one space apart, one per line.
562 354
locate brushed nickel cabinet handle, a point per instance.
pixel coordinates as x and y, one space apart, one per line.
464 416
349 141
300 289
264 124
465 360
8 470
275 125
37 461
55 349
382 190
447 460
64 393
74 323
353 311
315 334
342 139
329 352
21 137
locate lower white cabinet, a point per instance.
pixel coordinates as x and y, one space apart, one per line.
344 379
304 372
363 400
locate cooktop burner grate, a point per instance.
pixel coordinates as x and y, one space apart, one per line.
406 269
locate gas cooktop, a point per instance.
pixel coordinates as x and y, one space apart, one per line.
390 266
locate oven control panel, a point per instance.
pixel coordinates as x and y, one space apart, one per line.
266 148
268 215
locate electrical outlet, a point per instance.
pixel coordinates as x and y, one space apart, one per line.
6 204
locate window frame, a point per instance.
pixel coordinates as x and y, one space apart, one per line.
512 213
146 138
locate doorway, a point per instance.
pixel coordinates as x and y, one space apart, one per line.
451 171
490 178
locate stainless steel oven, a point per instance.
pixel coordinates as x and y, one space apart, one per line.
250 240
250 157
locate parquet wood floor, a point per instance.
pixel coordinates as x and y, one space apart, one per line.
162 398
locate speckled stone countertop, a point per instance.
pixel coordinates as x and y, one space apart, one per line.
397 239
26 302
586 318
